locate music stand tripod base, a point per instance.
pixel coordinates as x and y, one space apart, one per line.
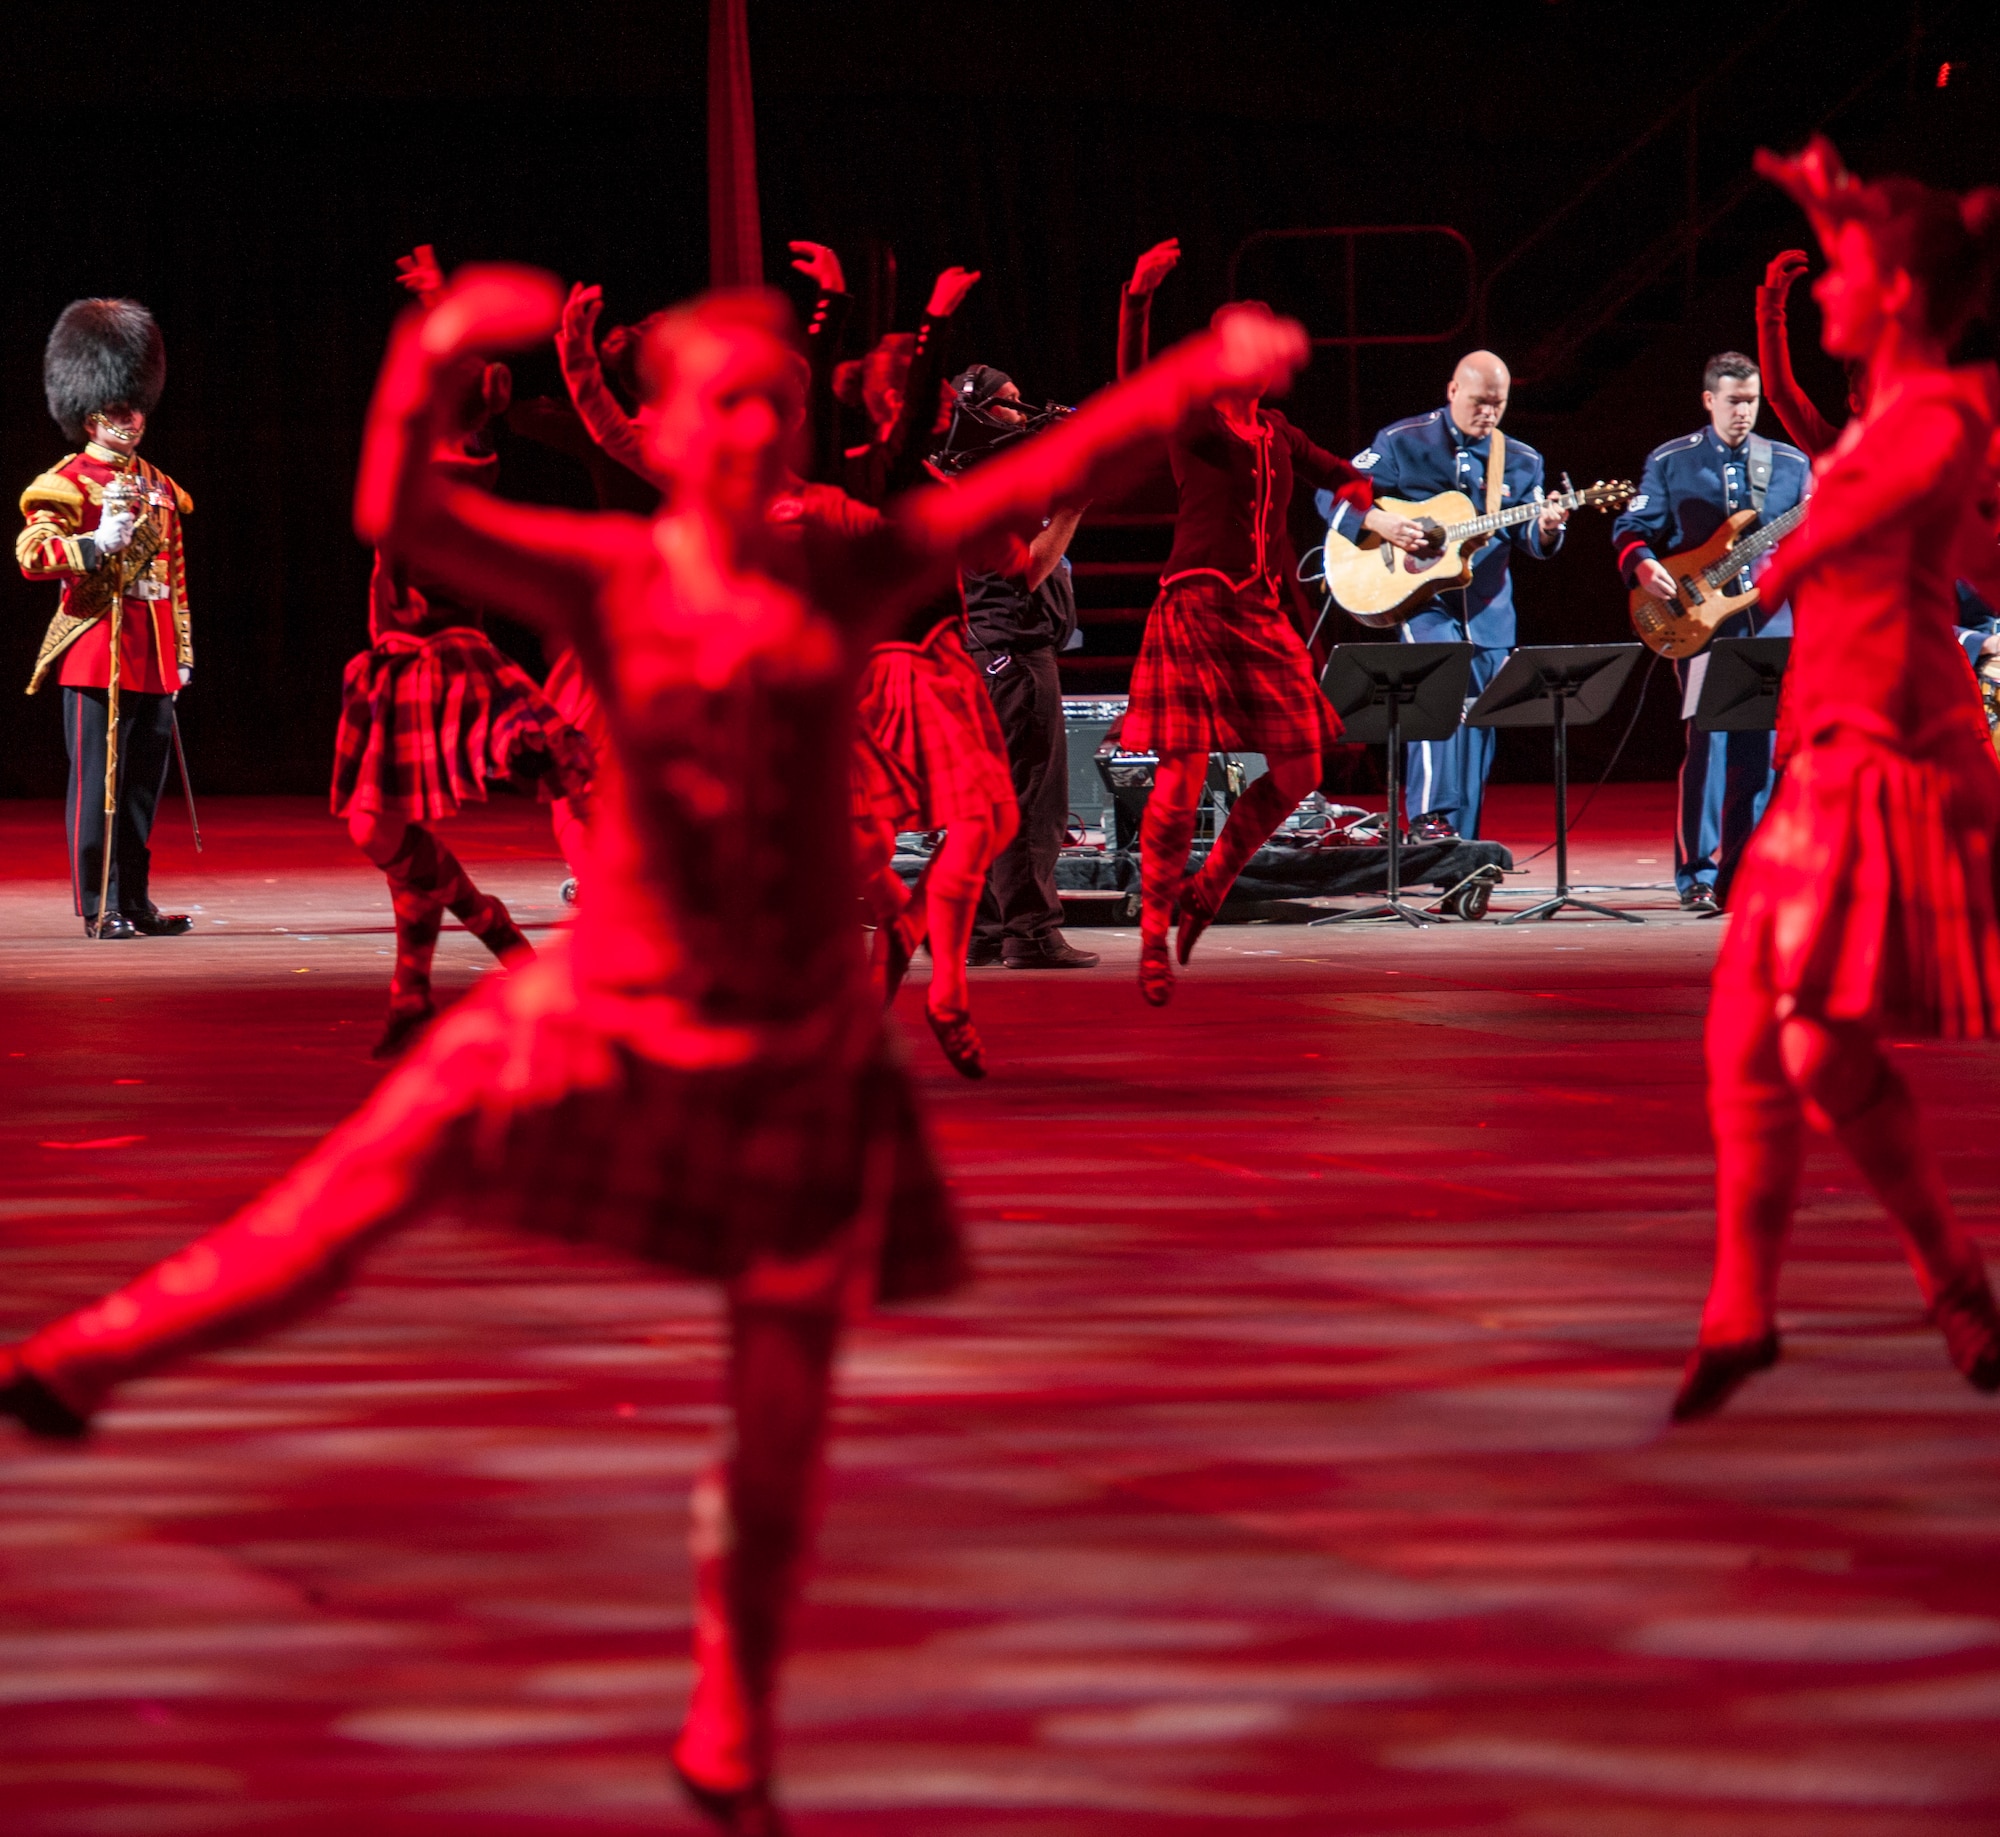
1553 685
1370 687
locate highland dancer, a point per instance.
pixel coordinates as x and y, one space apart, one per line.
1221 666
699 1071
108 526
1865 907
431 715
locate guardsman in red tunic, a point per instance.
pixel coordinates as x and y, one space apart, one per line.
104 369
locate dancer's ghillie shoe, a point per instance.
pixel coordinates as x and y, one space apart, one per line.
1195 917
35 1406
747 1812
1156 971
406 1020
1717 1373
1964 1313
959 1041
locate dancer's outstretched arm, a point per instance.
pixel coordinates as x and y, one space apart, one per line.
544 566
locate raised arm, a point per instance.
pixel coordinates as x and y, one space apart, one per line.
824 334
1135 304
583 373
544 566
1806 425
1249 350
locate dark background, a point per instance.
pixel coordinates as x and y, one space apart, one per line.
253 179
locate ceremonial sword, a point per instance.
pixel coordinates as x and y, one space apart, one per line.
181 760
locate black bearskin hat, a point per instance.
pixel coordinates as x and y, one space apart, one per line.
102 352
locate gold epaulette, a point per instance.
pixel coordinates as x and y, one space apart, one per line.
182 501
52 488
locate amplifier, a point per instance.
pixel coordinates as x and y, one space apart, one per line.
1108 789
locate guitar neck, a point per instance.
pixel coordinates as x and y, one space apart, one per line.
1520 513
1758 543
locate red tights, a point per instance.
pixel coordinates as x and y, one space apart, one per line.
1770 1074
1168 832
943 903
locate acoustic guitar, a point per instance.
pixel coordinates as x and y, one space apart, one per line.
1708 584
1381 586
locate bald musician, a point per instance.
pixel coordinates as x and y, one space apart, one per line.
1449 449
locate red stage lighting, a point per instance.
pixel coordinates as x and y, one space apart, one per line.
1944 74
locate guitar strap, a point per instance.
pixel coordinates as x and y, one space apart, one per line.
1760 472
1496 471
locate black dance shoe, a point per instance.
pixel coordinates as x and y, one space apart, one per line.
959 1041
115 925
402 1026
157 924
1050 952
34 1406
747 1812
1156 972
1964 1313
1716 1373
1195 918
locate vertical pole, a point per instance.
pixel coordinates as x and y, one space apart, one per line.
735 235
1562 789
1395 823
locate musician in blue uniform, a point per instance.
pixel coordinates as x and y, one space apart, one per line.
1690 486
1448 450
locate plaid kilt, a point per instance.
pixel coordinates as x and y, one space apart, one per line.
562 1127
428 723
1220 671
1867 893
928 747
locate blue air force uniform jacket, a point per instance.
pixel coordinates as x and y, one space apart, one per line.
1690 487
1418 458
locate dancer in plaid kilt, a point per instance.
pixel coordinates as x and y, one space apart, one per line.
929 754
430 715
1866 906
699 1072
1222 666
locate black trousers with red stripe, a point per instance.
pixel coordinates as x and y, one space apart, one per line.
145 749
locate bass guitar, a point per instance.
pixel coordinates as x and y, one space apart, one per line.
1708 584
1381 586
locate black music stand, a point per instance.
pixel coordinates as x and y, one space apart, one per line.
1536 687
1739 690
1370 686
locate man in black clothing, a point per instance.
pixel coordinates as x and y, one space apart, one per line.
1015 626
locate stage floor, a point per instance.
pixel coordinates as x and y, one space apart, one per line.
1296 1465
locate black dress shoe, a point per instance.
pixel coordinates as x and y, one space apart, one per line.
1700 900
1716 1373
748 1811
1051 952
34 1406
983 953
1965 1314
157 924
115 925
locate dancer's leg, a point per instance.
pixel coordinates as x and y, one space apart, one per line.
1252 822
1853 1092
286 1249
1754 1113
952 884
1163 851
753 1524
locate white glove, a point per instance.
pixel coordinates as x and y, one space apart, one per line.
114 532
187 674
